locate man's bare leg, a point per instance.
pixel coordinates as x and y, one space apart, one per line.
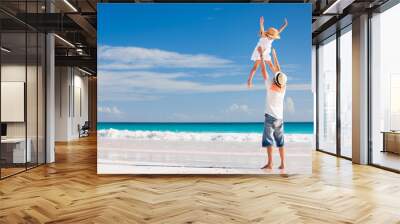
283 159
269 159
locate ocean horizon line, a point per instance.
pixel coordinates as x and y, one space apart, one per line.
235 127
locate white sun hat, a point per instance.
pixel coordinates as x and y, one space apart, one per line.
280 79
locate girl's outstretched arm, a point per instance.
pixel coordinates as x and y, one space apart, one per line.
261 26
283 26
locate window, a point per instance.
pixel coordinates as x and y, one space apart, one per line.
346 92
385 89
327 95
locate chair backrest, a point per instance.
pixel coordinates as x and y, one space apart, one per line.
86 125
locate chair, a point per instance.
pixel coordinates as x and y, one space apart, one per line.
84 130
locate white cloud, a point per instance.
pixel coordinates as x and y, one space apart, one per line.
238 108
109 110
131 57
289 105
290 67
145 86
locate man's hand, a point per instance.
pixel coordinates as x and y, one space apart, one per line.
276 65
262 20
249 83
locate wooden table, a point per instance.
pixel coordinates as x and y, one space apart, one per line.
13 150
391 141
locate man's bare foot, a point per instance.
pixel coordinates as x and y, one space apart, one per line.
282 166
267 166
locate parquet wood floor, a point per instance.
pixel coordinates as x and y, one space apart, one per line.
70 191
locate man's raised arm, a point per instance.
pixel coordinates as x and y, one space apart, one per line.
276 66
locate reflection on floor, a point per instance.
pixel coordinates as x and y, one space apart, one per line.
11 169
387 159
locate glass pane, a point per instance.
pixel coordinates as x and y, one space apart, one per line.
346 93
327 96
31 86
385 84
31 100
22 89
13 86
2 161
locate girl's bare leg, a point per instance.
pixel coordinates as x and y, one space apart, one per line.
252 72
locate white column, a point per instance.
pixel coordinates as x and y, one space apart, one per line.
360 90
50 99
50 92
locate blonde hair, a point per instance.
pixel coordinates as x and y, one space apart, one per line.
262 34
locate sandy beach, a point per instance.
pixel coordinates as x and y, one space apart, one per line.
122 155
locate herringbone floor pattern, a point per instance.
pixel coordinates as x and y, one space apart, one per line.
69 191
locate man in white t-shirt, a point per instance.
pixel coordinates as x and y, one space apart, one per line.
273 124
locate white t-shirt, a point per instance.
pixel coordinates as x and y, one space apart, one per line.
274 100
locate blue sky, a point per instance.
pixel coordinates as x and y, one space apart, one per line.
190 62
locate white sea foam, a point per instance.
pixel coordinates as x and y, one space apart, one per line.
195 136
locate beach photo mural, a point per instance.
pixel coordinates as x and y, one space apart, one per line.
204 89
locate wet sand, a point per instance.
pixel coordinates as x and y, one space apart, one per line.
131 156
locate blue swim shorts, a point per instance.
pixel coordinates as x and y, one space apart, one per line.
273 130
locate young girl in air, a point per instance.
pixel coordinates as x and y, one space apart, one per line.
262 50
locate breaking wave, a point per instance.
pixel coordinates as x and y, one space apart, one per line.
195 136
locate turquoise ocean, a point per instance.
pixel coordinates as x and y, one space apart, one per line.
250 127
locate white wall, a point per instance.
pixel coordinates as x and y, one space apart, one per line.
14 72
70 84
62 82
17 73
33 126
79 103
